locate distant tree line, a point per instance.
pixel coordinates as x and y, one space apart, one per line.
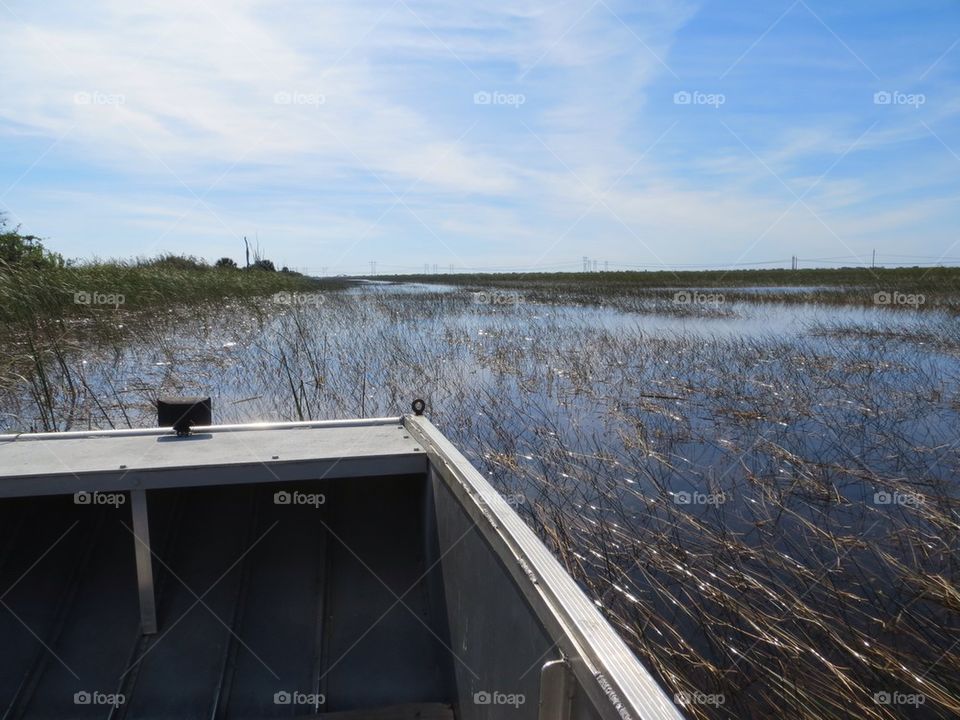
18 250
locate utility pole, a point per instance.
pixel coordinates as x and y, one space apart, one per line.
606 266
373 267
874 262
246 246
586 264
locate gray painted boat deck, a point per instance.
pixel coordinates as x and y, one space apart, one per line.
64 462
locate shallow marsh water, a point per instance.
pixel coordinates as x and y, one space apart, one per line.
763 497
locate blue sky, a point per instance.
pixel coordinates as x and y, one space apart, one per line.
516 135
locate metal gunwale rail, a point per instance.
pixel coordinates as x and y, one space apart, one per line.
620 686
244 427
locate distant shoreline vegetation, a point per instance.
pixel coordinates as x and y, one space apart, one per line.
37 285
936 287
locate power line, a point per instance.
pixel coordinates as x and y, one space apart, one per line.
587 264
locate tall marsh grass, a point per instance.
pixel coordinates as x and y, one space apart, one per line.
49 293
